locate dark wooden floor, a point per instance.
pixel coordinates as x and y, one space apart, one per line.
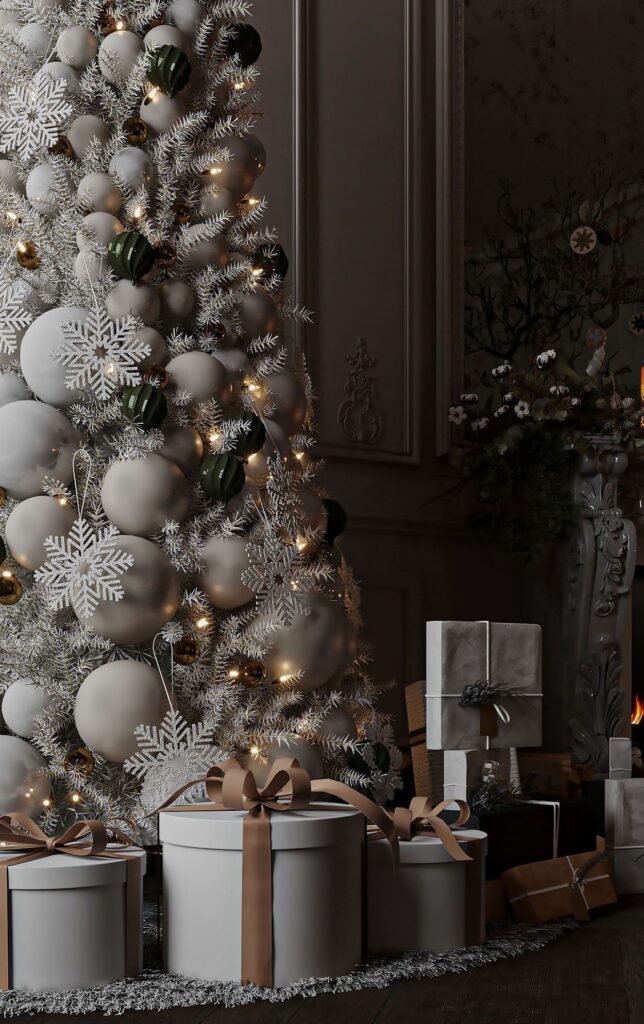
592 976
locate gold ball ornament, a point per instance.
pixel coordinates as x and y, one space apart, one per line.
182 212
107 24
79 759
63 148
27 256
136 131
156 375
186 651
3 496
246 671
165 255
10 590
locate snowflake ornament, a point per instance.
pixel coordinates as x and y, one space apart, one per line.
14 315
84 568
33 116
583 240
171 755
102 355
275 575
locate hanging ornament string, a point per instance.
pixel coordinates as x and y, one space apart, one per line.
169 693
80 502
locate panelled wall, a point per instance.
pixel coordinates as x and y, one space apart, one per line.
349 123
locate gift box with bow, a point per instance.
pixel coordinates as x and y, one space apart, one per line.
624 810
566 886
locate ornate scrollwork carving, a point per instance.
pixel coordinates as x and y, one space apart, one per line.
358 416
600 705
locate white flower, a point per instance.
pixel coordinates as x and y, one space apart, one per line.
501 371
469 398
628 403
601 403
509 397
575 401
559 390
457 414
546 358
480 424
522 409
501 411
615 402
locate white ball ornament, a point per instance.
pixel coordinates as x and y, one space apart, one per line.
186 15
77 46
48 5
165 35
84 130
225 560
177 300
98 192
260 764
90 267
9 177
259 314
338 724
203 376
151 596
112 701
276 443
56 71
215 201
184 446
9 24
40 187
133 166
141 495
44 375
118 54
136 299
97 229
161 112
287 398
12 388
37 442
22 704
209 251
36 39
315 518
31 523
236 362
156 343
23 787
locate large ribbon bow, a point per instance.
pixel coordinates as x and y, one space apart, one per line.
19 833
420 818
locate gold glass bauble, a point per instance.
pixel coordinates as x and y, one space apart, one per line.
186 651
79 759
3 496
62 147
254 673
27 256
182 212
10 590
156 375
165 255
136 131
107 23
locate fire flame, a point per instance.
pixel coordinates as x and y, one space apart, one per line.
638 711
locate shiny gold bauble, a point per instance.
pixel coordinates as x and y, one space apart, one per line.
186 651
182 212
165 255
155 22
3 496
10 590
79 759
156 375
62 148
107 24
246 671
136 131
27 256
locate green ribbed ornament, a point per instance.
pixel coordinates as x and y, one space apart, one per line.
130 255
145 405
249 442
222 476
169 69
336 519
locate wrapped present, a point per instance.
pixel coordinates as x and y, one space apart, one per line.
552 775
624 810
264 886
434 898
558 888
620 757
483 685
70 907
466 770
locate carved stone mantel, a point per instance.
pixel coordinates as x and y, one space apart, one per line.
602 558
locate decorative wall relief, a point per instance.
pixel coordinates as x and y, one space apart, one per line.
361 420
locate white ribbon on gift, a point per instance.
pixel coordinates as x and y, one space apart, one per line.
582 883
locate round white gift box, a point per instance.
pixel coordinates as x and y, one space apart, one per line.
425 903
67 921
317 893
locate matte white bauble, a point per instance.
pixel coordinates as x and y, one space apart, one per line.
137 299
43 374
31 523
133 166
234 175
236 362
261 763
259 314
215 201
9 24
209 251
12 388
23 787
186 15
315 518
184 446
140 495
9 177
112 701
156 343
257 468
90 267
97 229
117 55
287 398
37 441
40 188
77 46
161 112
84 130
22 704
48 5
318 644
249 149
177 300
203 376
225 560
36 39
249 494
151 596
98 192
338 724
165 35
56 71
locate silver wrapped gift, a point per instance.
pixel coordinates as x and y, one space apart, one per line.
507 655
465 770
624 809
620 758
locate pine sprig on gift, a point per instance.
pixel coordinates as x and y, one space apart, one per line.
479 693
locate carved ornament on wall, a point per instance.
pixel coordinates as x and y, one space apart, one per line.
361 421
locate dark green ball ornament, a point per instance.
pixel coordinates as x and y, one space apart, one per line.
381 756
269 260
245 43
145 405
249 442
169 69
336 519
222 476
130 255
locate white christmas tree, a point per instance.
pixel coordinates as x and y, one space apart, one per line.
143 301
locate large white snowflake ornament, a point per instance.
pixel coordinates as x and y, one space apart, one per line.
15 315
169 756
33 116
84 568
102 355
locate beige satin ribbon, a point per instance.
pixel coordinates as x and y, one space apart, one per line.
20 834
288 788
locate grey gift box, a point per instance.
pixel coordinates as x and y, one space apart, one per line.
457 655
463 771
620 758
624 810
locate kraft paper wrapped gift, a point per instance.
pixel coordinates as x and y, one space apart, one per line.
505 654
624 810
566 886
463 771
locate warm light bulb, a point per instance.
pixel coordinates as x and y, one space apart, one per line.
255 751
46 803
12 217
138 213
7 574
285 679
21 247
214 171
152 95
300 544
252 201
203 623
75 798
120 25
258 272
240 86
233 673
299 455
253 457
62 501
214 437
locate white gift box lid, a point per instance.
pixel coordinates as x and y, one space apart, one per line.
430 850
290 830
62 871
